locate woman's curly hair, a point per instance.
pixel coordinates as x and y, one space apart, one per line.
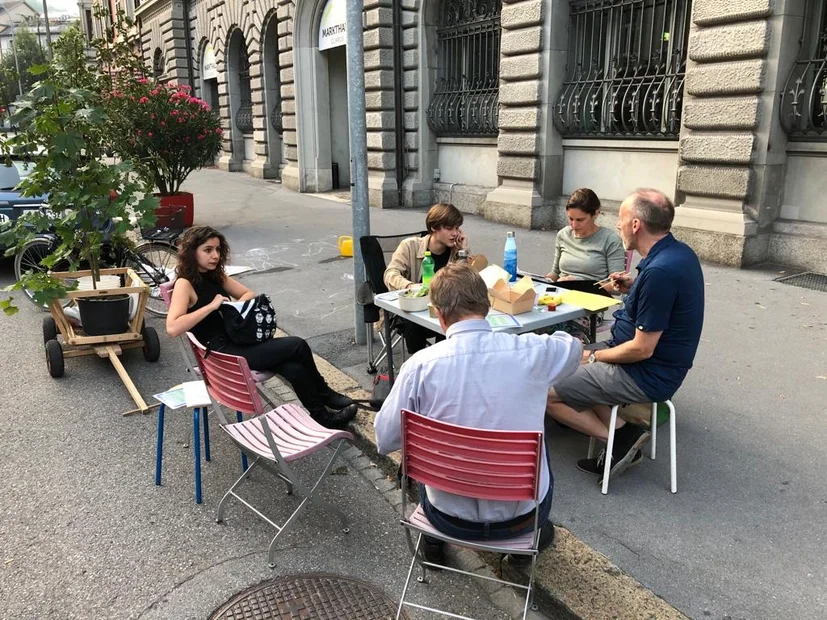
188 263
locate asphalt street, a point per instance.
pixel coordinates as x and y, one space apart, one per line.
87 534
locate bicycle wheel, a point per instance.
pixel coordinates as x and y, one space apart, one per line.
28 259
155 263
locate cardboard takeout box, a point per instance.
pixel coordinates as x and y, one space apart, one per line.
515 299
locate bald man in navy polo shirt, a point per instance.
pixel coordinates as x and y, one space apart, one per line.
654 338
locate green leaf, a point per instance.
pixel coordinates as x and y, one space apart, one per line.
7 306
38 69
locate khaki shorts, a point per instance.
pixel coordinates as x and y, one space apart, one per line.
599 384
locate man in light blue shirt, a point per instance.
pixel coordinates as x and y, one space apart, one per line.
484 379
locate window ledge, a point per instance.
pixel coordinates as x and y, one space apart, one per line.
485 141
617 144
807 148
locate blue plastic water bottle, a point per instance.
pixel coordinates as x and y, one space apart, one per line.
510 255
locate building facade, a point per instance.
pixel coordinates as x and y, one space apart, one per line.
504 107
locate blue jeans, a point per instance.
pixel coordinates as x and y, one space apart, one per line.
474 530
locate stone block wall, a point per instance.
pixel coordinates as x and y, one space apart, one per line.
163 28
377 39
724 118
517 200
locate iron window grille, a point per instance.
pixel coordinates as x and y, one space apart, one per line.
244 115
466 98
626 68
803 107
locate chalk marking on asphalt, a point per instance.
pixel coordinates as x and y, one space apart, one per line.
334 311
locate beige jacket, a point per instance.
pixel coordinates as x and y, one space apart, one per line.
406 264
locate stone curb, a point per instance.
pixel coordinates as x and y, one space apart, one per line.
572 580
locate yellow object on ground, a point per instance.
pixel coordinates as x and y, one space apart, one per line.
346 246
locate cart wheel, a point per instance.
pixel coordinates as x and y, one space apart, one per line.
152 346
54 358
49 329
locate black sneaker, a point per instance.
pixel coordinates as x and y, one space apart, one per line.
628 440
333 419
595 466
334 400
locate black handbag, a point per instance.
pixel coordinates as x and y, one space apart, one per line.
249 322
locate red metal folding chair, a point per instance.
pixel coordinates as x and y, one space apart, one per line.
273 439
472 462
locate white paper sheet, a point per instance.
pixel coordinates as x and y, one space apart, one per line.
195 394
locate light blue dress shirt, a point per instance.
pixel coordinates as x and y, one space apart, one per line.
483 379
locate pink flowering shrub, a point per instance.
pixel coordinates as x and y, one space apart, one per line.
163 129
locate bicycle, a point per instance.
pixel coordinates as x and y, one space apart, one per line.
154 261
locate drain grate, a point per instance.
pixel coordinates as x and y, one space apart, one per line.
314 596
808 279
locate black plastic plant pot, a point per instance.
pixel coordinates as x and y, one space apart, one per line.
104 315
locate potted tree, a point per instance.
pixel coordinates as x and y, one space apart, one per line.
63 125
167 132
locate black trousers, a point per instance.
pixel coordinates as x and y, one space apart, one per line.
416 336
289 357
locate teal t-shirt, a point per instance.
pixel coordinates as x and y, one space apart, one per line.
589 258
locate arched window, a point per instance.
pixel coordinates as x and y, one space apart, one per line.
158 63
244 116
625 70
804 98
466 97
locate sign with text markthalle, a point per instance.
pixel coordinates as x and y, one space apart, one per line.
333 26
209 70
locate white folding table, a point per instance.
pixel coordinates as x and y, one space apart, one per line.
528 321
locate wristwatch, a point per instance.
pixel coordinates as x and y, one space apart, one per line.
592 358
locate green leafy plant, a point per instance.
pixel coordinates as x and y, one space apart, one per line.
64 126
162 128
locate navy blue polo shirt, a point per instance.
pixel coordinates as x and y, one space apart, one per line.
667 296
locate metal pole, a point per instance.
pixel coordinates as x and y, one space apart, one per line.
358 152
48 31
16 64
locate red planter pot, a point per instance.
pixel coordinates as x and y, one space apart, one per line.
176 210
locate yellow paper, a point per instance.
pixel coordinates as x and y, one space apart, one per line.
589 301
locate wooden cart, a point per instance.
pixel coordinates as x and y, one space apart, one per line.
76 343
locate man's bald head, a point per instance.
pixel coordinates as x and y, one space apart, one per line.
653 209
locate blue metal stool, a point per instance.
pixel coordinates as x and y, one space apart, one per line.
196 445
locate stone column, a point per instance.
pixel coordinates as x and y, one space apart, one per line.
418 185
517 200
381 136
290 173
732 148
266 164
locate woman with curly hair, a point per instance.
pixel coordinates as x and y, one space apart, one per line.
200 289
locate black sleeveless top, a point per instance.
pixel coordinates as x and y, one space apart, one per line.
211 329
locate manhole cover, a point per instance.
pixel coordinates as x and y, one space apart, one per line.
315 596
808 279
